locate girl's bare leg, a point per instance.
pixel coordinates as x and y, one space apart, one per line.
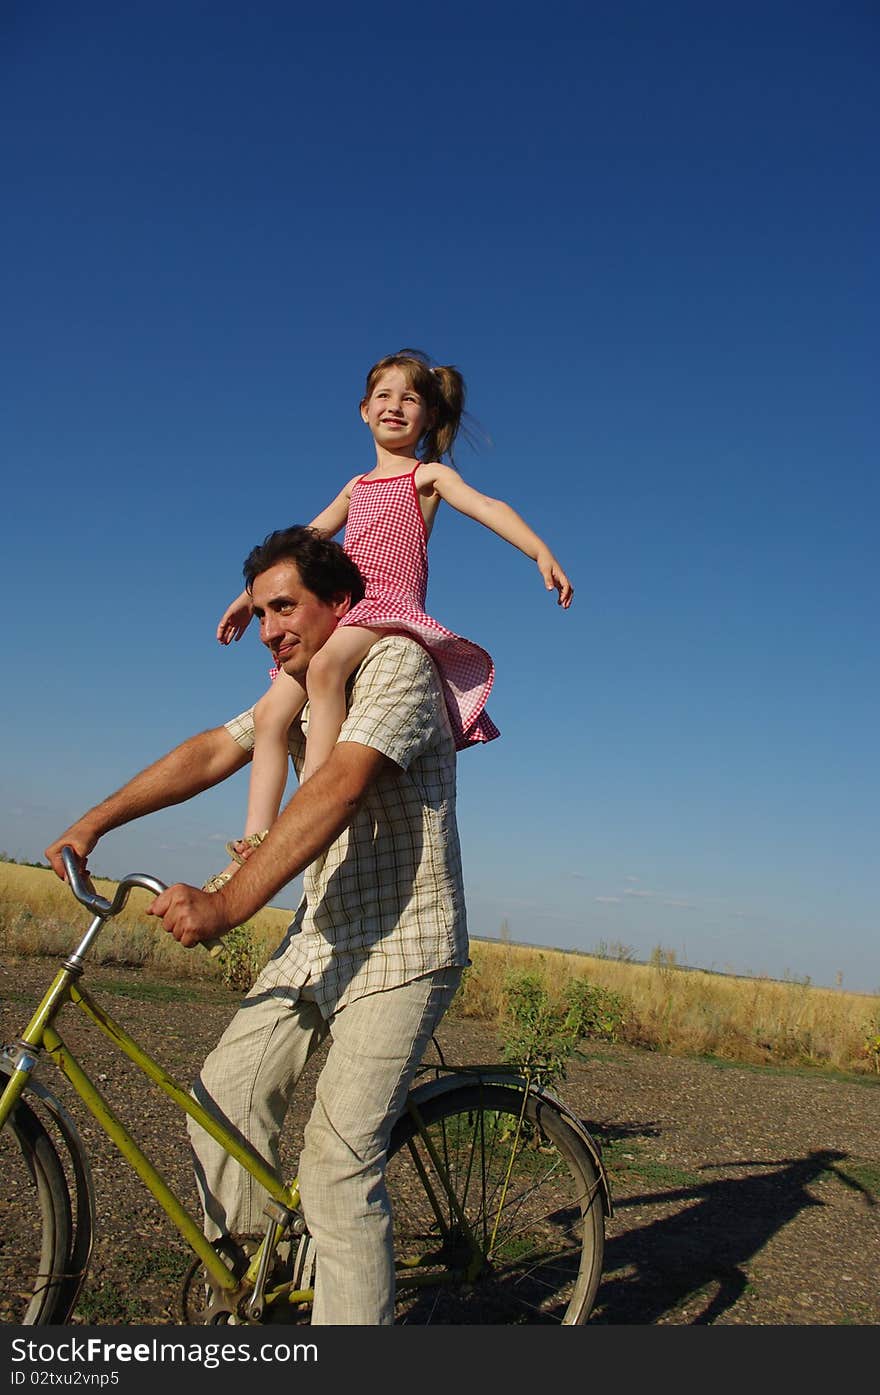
329 671
273 714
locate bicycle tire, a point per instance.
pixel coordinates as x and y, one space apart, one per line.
36 1223
531 1195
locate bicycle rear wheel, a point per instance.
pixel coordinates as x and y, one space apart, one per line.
35 1223
522 1237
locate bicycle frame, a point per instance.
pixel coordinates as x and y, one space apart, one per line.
19 1061
41 1033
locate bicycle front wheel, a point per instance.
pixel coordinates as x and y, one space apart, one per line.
35 1222
498 1211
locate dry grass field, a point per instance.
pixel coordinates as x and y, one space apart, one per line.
660 1006
38 915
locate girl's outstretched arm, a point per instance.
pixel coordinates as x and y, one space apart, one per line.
330 520
501 518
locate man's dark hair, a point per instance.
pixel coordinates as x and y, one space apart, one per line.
325 568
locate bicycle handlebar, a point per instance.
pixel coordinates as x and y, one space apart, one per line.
99 905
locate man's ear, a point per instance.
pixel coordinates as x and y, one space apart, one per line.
341 604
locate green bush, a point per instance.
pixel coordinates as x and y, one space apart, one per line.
241 959
594 1012
541 1035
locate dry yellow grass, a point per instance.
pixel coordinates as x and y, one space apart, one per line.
693 1012
666 1008
38 915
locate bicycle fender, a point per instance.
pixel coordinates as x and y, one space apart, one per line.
593 1148
84 1200
443 1084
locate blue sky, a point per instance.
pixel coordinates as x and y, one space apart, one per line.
647 236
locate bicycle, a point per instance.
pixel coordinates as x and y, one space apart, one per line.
499 1194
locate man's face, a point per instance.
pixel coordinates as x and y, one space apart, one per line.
294 623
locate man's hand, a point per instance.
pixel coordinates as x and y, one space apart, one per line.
81 838
190 915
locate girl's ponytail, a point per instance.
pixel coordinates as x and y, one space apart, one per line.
448 408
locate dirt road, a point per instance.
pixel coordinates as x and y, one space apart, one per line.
742 1195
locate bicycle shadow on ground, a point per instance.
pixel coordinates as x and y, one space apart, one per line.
654 1269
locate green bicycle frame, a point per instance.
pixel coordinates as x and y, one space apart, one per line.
40 1033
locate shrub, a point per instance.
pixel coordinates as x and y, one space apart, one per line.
594 1012
240 959
542 1034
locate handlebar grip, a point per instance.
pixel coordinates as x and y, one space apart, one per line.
81 884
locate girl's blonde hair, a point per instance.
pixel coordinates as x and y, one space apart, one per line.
442 388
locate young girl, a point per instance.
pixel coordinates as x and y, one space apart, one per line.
413 412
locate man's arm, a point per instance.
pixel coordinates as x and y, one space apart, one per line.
318 812
192 767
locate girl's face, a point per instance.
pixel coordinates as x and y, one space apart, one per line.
396 414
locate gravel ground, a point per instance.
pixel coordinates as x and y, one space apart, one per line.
742 1195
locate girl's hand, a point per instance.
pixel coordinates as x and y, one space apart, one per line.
235 619
555 578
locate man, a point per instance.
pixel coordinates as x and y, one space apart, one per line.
375 951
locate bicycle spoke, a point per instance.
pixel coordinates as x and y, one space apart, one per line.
530 1248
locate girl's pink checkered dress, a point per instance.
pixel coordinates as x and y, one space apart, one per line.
385 535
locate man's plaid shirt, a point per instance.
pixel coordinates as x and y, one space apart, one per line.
385 903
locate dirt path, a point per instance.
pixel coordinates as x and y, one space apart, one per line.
742 1196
